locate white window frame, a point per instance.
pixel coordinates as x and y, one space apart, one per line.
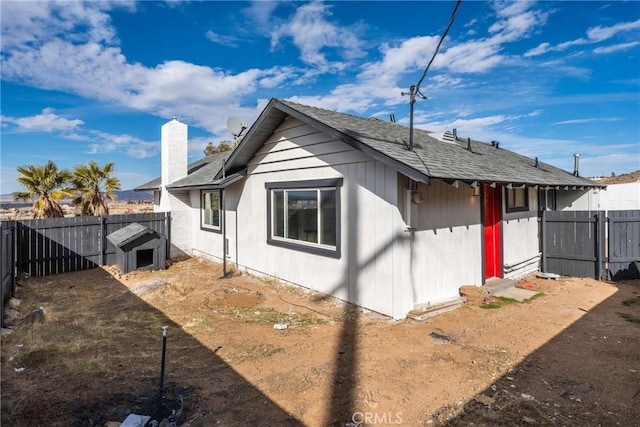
203 210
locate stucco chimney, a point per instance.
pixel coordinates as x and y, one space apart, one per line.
173 151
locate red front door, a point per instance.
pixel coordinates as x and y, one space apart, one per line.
491 225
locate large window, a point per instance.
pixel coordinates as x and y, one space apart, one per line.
517 200
305 215
211 210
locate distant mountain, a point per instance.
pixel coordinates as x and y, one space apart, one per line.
134 196
6 200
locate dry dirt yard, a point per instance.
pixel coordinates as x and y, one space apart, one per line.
568 358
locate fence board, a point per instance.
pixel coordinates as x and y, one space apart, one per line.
7 263
572 243
624 244
60 245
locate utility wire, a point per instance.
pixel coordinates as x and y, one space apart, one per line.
415 89
444 35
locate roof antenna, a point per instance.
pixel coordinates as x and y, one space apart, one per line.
415 89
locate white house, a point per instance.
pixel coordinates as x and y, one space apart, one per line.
347 206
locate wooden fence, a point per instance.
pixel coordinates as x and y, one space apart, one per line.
7 265
592 244
624 244
61 245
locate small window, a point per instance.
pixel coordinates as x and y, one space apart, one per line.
305 215
547 200
517 200
211 210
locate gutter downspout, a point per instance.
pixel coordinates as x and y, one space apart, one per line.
224 225
224 237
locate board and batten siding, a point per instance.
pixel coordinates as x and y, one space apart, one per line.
297 152
521 239
443 250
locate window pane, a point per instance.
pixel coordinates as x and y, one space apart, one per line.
278 213
551 199
517 199
328 217
211 206
302 215
520 197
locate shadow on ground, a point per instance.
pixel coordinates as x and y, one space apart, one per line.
547 389
97 362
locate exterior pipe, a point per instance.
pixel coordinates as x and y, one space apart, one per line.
164 352
224 236
511 267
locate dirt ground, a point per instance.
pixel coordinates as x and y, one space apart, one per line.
567 358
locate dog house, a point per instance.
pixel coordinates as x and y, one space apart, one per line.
139 248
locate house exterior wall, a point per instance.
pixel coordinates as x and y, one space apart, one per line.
521 239
206 242
619 197
181 223
363 273
443 249
578 200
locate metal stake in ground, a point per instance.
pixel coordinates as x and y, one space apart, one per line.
164 352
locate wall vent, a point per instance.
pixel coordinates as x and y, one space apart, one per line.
446 136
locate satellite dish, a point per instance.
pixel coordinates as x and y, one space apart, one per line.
236 126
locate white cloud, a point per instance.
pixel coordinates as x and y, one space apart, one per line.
48 121
104 142
594 35
229 41
597 34
314 36
260 13
35 22
590 120
615 48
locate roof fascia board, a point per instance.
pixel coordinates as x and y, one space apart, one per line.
216 184
399 166
230 162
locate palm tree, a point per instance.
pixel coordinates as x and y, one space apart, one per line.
47 185
95 185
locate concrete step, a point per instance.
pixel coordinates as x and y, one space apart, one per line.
429 310
517 294
496 284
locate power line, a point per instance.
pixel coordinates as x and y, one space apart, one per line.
444 35
415 89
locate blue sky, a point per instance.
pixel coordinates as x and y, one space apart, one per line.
96 80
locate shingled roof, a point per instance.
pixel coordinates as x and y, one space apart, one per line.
388 142
200 173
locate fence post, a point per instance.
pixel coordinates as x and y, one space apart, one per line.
103 240
600 242
543 240
167 230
